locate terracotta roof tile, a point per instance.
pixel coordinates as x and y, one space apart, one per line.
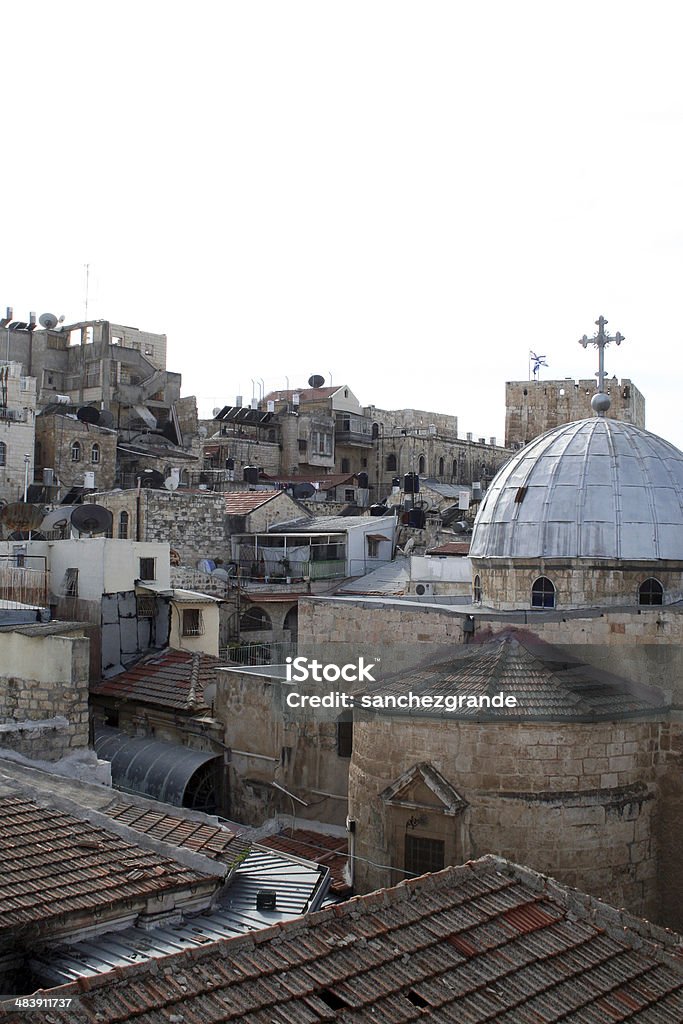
486 942
240 503
174 679
210 840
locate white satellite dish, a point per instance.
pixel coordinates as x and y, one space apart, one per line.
171 483
49 321
216 410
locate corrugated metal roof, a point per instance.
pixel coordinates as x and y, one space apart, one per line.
597 488
486 942
547 683
392 578
332 851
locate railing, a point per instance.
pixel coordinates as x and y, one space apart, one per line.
23 586
290 571
259 654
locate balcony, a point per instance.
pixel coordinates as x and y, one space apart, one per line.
353 430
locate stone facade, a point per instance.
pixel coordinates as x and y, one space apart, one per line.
71 449
534 406
17 430
44 691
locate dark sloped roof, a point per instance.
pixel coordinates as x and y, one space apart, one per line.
175 679
211 840
53 864
549 685
486 942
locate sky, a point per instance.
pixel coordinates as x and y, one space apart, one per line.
403 197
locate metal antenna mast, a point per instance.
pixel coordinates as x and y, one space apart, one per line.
601 402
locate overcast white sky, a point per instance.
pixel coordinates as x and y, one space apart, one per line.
407 195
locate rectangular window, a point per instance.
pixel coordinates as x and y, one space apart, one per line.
344 738
146 605
422 855
349 494
303 444
148 569
373 548
71 583
193 623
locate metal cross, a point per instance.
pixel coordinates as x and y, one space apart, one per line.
601 340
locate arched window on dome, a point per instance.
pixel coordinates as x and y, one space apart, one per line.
543 593
476 589
651 591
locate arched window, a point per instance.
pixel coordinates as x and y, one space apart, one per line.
3 453
651 591
345 466
422 465
292 620
254 620
476 589
95 454
391 462
123 526
442 467
454 469
542 593
76 451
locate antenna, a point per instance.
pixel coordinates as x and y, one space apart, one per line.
87 287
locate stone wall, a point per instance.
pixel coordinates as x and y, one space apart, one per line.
17 431
55 439
532 407
43 692
574 801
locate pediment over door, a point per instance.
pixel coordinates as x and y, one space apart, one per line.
423 787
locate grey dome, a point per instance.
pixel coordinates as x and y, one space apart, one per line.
597 488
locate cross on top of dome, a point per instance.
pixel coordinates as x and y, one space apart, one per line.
600 402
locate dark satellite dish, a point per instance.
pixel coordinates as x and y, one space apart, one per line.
91 519
316 381
303 490
106 419
21 516
152 478
88 414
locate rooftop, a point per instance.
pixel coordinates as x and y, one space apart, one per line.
331 851
485 942
173 679
240 503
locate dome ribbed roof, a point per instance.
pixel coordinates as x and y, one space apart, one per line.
597 488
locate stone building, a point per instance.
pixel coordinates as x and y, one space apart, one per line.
17 430
534 406
74 454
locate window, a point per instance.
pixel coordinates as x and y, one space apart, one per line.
71 583
651 592
148 569
373 547
149 350
76 451
422 855
303 444
391 463
442 467
255 620
292 620
454 469
349 494
193 622
542 593
345 466
422 464
345 735
95 454
123 526
3 453
476 590
145 606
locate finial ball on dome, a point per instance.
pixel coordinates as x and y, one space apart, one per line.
600 403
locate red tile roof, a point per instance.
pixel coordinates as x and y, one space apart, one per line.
331 851
209 840
175 679
53 865
240 503
485 942
451 548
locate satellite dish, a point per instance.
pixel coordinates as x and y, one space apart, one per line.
316 381
91 519
171 483
210 694
88 414
106 419
49 321
203 432
21 516
57 519
216 410
303 490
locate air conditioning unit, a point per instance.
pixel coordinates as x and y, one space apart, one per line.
424 589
